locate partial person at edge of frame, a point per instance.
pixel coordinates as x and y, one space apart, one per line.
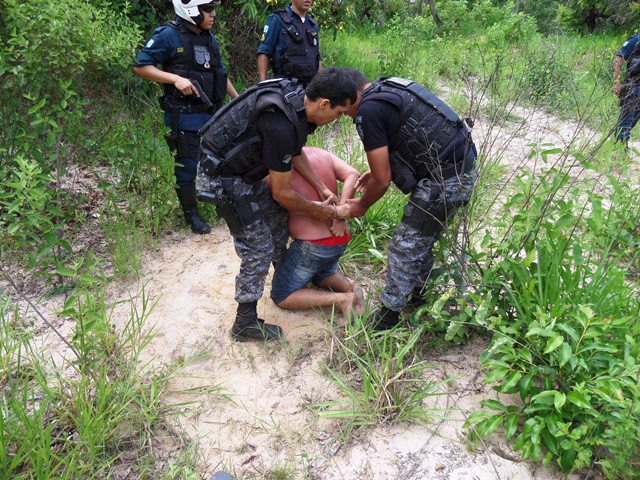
628 91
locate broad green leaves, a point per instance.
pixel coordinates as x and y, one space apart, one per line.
565 323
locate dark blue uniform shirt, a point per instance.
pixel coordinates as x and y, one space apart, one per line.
629 46
274 37
161 47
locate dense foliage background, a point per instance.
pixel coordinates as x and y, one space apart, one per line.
555 276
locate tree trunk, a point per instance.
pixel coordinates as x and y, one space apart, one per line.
434 13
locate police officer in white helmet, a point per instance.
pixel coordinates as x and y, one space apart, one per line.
184 56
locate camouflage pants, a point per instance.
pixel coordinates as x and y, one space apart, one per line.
410 256
259 230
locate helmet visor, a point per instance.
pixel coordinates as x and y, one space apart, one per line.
209 7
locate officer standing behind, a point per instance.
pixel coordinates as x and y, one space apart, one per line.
262 133
290 42
629 92
191 69
414 139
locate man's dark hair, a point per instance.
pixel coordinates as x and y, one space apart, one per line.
333 84
358 78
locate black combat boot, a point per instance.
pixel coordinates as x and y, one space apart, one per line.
416 298
249 327
188 202
385 319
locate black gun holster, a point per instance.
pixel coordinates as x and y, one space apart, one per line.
211 164
237 211
185 144
427 215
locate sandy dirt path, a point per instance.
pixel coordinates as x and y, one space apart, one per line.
257 424
247 405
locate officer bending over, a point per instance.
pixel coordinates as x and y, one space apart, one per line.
190 58
262 133
414 139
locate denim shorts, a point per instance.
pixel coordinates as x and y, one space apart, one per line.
304 262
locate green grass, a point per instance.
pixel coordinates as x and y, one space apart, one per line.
60 425
382 378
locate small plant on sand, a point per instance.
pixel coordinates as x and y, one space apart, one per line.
381 375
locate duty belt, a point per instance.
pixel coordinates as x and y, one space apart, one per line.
454 170
171 107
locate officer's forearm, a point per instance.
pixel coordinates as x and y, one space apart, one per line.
294 202
263 66
154 74
375 190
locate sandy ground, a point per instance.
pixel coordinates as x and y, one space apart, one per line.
258 422
247 405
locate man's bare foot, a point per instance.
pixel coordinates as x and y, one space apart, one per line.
352 302
358 300
346 305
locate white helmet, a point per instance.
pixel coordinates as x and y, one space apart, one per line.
188 9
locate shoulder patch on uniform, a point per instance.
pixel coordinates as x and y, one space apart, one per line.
263 37
179 49
150 43
265 29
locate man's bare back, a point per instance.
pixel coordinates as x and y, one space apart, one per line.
330 169
334 289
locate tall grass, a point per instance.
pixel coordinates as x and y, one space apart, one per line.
382 377
86 416
566 74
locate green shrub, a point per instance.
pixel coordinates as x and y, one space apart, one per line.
544 14
589 16
565 320
547 76
32 217
51 74
513 30
403 41
454 15
486 14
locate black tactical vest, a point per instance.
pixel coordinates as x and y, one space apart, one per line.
427 126
196 62
230 136
301 56
633 66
